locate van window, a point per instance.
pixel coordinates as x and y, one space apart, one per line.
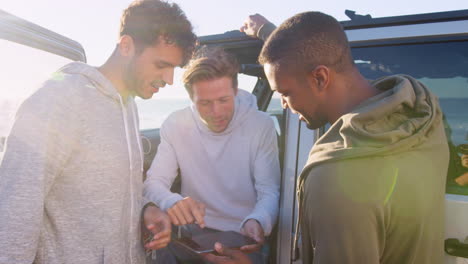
442 67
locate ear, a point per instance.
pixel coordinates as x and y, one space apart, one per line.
126 46
320 76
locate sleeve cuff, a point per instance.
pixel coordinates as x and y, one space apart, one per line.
265 31
263 219
170 201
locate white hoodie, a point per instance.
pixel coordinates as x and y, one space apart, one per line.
235 173
71 175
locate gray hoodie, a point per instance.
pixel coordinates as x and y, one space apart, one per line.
71 174
373 187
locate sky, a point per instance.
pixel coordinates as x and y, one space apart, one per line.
94 23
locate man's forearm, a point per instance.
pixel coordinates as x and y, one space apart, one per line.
265 31
159 193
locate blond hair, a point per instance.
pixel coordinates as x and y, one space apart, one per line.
209 64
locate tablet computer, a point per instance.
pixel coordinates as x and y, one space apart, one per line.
205 243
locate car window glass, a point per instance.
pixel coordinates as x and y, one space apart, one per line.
276 111
22 70
246 82
154 111
443 68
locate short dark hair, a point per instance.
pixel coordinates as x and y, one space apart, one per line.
147 20
209 64
307 40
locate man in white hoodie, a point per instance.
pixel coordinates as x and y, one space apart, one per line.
71 177
226 152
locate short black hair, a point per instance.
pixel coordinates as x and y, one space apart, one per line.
147 20
307 40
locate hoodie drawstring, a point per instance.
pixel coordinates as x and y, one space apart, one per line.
299 193
127 136
137 133
130 159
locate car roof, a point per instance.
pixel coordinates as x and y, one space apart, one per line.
247 49
360 21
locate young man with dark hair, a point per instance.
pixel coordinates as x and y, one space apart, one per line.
373 188
71 175
221 143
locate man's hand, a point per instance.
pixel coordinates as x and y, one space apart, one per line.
187 211
252 25
253 229
227 256
159 226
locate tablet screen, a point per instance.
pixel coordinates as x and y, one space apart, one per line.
205 243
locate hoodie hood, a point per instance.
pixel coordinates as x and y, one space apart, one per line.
103 85
100 82
244 104
401 117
